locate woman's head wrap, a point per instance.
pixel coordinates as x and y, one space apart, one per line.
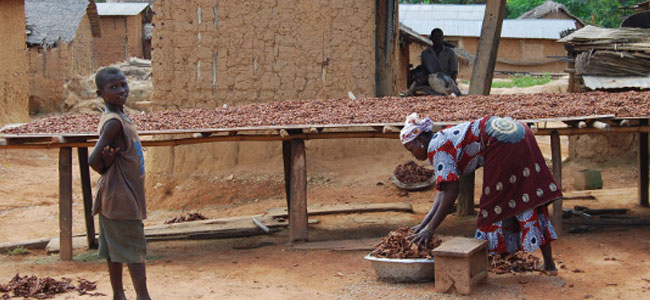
413 127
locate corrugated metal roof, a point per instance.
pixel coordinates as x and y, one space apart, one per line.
523 29
120 9
441 11
50 20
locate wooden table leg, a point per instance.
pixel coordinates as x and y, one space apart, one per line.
643 165
298 192
556 155
86 188
286 157
65 203
466 196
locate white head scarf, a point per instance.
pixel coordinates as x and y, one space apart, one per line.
413 127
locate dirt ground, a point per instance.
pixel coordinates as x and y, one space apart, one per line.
266 267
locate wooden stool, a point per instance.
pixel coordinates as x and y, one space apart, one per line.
460 262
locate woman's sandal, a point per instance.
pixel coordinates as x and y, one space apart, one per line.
548 272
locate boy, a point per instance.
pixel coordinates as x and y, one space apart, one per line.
120 202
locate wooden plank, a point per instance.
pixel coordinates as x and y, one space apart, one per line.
608 221
488 44
340 245
643 166
459 247
31 244
316 210
298 230
556 157
65 202
86 189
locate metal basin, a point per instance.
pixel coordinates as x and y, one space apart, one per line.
403 269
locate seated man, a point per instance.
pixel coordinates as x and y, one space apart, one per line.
439 58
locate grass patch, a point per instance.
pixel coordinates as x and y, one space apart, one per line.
18 251
522 81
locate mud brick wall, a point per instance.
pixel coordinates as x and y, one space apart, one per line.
121 38
13 78
50 69
208 53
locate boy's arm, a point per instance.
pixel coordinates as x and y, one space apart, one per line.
103 155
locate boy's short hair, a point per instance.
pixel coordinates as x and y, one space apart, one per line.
101 75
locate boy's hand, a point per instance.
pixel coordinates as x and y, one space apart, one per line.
108 155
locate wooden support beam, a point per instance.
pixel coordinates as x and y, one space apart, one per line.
65 202
86 189
286 157
643 165
298 193
556 156
488 44
466 196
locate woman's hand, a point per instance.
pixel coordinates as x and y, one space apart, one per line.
423 237
418 227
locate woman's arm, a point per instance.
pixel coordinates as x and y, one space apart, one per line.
446 197
427 219
103 154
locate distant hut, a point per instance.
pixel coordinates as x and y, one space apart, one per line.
123 32
552 10
13 78
60 43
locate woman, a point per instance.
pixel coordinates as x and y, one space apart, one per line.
517 184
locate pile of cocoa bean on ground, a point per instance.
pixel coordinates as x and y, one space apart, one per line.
366 111
411 173
397 245
517 262
45 288
186 218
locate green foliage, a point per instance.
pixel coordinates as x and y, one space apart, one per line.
20 250
522 81
602 13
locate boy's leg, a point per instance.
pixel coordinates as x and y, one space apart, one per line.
115 273
139 278
549 263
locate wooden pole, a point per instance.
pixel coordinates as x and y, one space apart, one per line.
465 205
488 44
643 166
65 203
84 170
481 82
556 156
286 157
298 192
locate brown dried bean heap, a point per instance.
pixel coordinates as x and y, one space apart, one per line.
411 173
365 111
397 245
44 288
189 218
517 262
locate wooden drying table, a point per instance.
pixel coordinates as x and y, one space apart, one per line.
293 152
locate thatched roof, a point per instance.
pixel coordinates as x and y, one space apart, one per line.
51 20
547 8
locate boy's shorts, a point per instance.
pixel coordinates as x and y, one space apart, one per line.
122 241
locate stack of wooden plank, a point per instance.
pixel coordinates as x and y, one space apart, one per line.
611 51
